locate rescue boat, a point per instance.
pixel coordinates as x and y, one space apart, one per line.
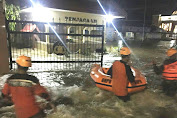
104 81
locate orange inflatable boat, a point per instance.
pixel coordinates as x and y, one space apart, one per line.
104 81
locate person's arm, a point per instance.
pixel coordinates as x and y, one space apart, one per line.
6 93
41 91
110 71
5 90
129 73
158 70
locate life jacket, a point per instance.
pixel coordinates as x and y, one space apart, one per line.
170 71
119 79
22 93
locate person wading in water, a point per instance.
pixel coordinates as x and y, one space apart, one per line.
121 73
169 72
21 88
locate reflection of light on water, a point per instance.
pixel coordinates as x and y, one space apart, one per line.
47 79
42 67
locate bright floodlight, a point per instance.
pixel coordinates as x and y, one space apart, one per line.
109 18
40 10
119 34
40 13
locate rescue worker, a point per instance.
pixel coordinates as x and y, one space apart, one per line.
169 72
21 88
121 74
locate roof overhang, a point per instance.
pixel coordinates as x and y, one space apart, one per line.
31 10
169 18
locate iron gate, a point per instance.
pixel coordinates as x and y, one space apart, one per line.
55 45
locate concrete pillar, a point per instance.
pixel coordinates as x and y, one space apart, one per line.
47 31
49 47
173 26
84 38
68 31
4 61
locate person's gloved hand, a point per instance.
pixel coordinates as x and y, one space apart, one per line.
154 62
50 105
130 63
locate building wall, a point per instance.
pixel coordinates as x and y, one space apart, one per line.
4 62
67 17
167 23
63 17
78 17
156 20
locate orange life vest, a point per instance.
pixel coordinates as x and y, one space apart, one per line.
119 79
22 93
170 71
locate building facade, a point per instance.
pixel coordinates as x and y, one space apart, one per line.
167 23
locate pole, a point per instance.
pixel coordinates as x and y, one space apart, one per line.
4 57
144 20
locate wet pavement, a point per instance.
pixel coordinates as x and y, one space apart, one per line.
76 95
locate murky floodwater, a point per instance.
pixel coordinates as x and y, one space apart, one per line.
76 95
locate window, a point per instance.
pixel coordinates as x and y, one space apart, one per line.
96 32
166 26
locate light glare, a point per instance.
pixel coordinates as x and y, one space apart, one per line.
39 6
41 14
109 18
119 34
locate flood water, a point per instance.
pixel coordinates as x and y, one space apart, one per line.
76 95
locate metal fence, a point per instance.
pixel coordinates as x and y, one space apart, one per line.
55 46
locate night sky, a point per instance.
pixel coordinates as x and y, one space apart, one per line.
137 10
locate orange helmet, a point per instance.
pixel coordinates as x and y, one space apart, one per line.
171 52
24 61
125 51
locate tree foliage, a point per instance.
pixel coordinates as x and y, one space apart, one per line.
12 12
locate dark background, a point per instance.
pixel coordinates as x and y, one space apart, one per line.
139 12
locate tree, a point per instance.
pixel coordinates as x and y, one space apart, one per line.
12 12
